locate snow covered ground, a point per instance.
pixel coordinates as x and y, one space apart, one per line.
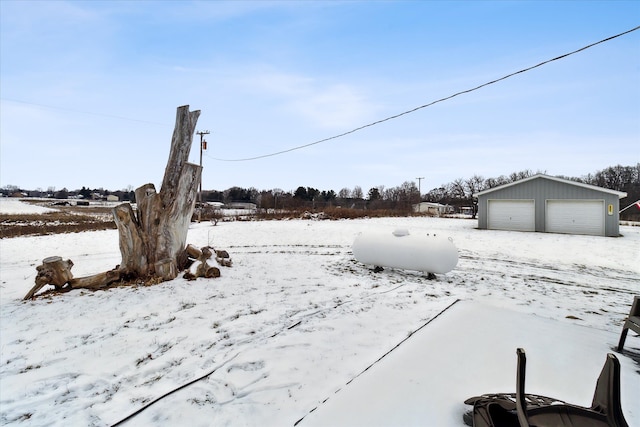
15 206
291 322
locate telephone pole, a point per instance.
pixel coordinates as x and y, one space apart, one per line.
203 145
419 189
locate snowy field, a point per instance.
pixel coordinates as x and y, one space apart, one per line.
15 206
291 322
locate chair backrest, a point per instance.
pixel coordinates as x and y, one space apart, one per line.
521 404
606 398
635 307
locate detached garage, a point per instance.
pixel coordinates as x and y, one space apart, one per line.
553 205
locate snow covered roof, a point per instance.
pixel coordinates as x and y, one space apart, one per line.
620 194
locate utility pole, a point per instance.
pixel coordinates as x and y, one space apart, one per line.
419 187
203 146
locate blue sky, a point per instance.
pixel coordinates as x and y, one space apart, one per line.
89 90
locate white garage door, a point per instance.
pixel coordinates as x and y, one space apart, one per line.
575 217
518 215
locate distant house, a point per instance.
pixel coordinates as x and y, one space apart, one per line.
549 204
112 198
241 205
466 210
430 208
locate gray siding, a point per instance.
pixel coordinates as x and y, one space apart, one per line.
541 190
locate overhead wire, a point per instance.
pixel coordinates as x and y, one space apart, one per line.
395 116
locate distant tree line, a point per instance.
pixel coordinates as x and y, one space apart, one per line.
457 194
64 193
400 198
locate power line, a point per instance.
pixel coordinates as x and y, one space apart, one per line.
299 147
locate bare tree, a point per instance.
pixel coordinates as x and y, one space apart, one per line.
357 192
345 193
458 189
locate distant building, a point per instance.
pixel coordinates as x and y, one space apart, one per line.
466 210
241 205
430 208
112 198
552 205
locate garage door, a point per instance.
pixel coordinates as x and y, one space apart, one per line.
575 217
518 215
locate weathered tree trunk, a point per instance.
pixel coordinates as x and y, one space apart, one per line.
153 241
133 246
153 238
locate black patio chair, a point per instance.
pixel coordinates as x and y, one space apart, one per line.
632 322
528 410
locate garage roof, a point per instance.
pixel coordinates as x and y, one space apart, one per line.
620 194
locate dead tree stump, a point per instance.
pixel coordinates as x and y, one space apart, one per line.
153 238
53 271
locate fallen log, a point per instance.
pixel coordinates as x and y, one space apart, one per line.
202 256
97 281
53 271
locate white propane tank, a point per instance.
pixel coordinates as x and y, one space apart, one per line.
429 253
